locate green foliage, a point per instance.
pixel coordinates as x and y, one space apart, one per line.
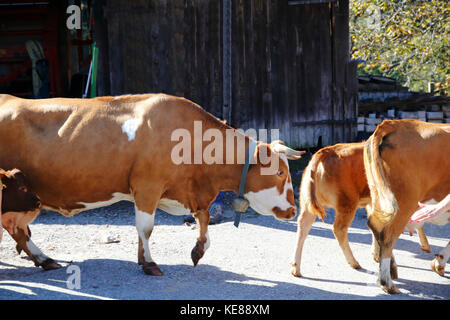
404 39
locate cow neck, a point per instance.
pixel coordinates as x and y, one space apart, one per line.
241 204
232 173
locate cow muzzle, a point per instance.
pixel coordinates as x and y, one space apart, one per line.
287 214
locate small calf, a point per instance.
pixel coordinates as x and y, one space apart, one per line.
19 205
335 178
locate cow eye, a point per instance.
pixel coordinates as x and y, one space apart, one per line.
280 173
24 189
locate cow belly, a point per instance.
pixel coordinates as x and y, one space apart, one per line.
173 207
116 197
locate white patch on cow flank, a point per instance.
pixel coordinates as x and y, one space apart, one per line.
130 127
173 207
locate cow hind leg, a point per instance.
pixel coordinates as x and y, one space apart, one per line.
203 242
340 229
36 255
144 225
376 228
388 267
304 224
375 249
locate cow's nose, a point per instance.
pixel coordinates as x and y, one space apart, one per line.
291 213
287 214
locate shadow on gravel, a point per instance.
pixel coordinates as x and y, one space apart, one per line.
118 279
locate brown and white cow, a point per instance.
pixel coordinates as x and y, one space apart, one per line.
335 178
406 161
81 154
19 205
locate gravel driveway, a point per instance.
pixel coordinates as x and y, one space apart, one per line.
251 262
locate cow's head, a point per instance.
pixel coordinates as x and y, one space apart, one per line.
17 195
19 205
269 186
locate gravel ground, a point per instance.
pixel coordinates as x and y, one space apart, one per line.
251 262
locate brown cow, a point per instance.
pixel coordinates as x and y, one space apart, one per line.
406 161
19 205
335 178
81 154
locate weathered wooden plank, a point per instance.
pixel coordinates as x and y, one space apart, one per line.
282 61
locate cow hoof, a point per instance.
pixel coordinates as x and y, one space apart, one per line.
50 264
355 265
426 249
436 267
18 249
151 269
391 290
376 257
197 253
295 271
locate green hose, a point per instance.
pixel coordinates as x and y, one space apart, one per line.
94 70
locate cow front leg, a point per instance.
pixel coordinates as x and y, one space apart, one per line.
144 225
36 255
16 223
203 242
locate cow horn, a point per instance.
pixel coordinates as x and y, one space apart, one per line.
291 154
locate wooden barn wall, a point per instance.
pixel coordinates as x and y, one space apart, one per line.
288 67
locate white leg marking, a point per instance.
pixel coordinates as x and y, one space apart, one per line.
207 243
36 252
144 226
385 271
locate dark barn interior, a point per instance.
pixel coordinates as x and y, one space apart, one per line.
258 63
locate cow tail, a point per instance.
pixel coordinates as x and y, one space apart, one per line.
384 203
308 200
